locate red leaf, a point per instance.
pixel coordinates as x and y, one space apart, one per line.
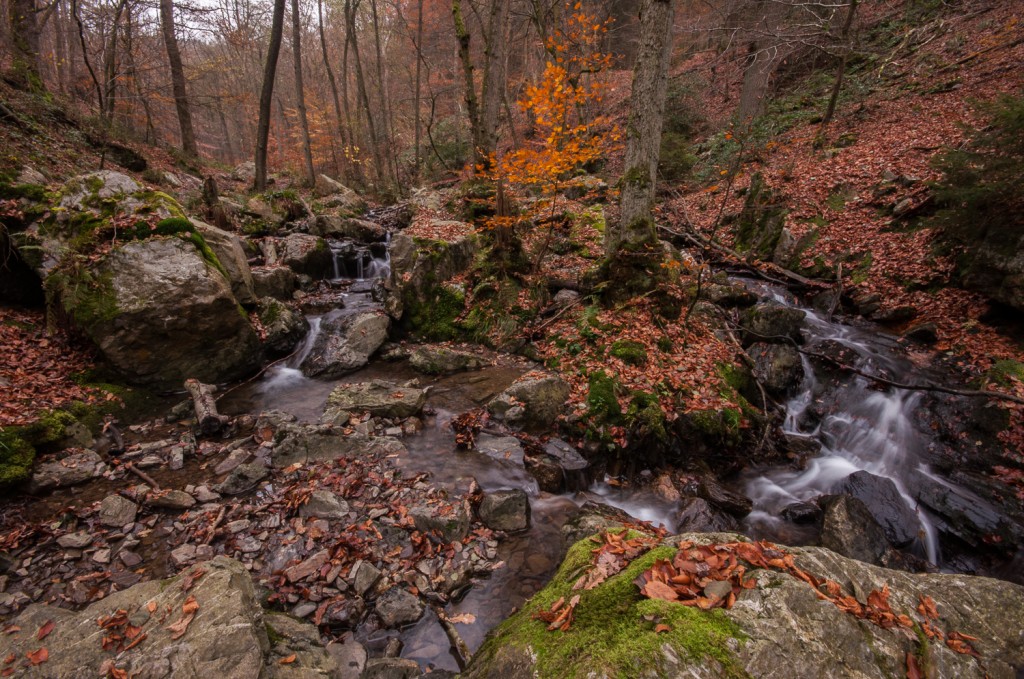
45 630
38 657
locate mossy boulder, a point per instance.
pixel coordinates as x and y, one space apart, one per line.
159 312
285 327
537 399
616 632
629 351
229 252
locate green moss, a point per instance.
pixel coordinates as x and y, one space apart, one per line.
629 351
272 634
208 254
434 317
637 176
33 192
676 158
1003 372
613 631
645 417
16 456
665 344
86 296
602 405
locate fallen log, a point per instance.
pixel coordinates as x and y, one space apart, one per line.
210 421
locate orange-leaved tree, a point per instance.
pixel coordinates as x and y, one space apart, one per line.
566 133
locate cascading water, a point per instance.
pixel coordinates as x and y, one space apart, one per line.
865 430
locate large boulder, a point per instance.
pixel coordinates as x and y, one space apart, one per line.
771 322
89 190
306 254
781 626
441 360
882 498
284 326
419 269
848 528
225 635
348 228
295 443
533 401
228 249
377 397
278 282
777 367
345 343
335 194
160 312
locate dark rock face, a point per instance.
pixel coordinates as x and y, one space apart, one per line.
848 528
886 505
306 254
721 497
769 322
285 327
777 366
697 516
507 510
345 344
531 401
278 282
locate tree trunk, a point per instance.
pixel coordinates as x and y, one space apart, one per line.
85 55
419 92
364 97
389 121
342 134
841 71
21 15
300 97
110 65
643 130
463 37
494 79
188 135
267 96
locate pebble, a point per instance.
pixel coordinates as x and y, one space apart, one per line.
75 540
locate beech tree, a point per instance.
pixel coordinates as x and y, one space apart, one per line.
188 136
25 42
300 97
267 95
635 234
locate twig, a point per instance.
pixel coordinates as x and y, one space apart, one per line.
459 648
265 369
213 526
142 475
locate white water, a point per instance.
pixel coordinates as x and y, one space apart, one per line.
868 430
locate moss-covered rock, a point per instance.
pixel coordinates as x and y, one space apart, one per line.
629 351
16 456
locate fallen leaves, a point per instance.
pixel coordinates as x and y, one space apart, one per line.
559 615
120 635
44 630
38 657
188 612
467 426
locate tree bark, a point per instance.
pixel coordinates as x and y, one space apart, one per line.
188 135
267 96
21 15
419 93
110 65
364 97
463 37
841 71
635 228
342 133
205 406
494 79
300 97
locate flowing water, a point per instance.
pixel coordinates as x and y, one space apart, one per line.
864 429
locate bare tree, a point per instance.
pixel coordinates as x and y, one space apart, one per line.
25 38
267 95
300 96
188 135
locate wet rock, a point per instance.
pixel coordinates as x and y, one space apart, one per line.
226 638
298 643
721 497
503 448
307 567
925 333
86 191
895 315
116 511
774 323
593 518
348 228
505 510
777 367
885 503
964 514
243 478
78 467
278 282
802 512
306 254
285 327
450 520
378 397
848 528
439 360
350 657
304 444
695 515
234 458
565 297
729 295
391 668
547 471
780 617
542 398
345 343
339 194
397 607
364 577
79 540
171 499
323 504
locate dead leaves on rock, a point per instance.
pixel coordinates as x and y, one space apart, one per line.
188 612
467 426
690 578
560 615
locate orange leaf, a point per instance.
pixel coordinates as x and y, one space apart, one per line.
659 590
38 657
45 630
287 661
659 629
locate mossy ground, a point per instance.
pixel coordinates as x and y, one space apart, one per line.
613 632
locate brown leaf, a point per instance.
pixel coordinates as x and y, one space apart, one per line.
38 657
659 590
659 629
913 668
287 661
927 608
10 658
188 611
45 630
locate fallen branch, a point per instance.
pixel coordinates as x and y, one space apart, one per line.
142 475
213 526
459 648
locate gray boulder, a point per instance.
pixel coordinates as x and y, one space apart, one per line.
440 360
348 228
507 510
304 444
226 637
541 397
231 255
70 470
242 478
779 627
87 191
345 343
285 327
278 282
323 504
397 607
451 521
306 254
695 515
335 194
116 511
883 500
377 397
848 528
160 313
777 367
771 322
419 267
245 172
